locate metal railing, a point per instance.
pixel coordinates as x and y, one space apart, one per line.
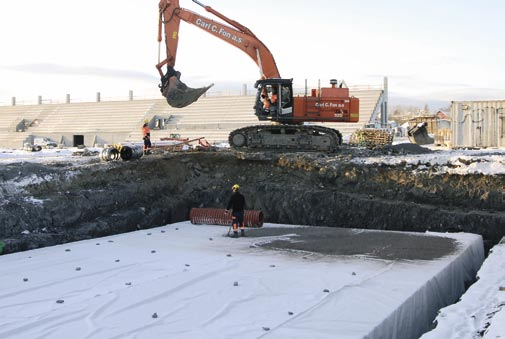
297 90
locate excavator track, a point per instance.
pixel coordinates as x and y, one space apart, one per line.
285 138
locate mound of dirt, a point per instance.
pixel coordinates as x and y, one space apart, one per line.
408 148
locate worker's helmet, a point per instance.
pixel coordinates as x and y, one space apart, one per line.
235 187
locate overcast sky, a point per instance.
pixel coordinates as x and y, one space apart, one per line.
429 50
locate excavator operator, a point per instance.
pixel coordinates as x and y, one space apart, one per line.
273 100
265 99
269 101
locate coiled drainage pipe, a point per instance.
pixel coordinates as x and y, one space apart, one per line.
123 152
217 216
131 152
109 154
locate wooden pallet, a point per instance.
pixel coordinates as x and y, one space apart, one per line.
372 137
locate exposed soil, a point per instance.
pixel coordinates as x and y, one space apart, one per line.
65 202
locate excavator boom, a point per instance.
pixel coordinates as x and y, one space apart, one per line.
170 16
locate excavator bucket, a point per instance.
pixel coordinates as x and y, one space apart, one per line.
179 95
419 134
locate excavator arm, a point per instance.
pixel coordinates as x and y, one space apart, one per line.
239 36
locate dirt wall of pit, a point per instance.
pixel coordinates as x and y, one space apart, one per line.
66 202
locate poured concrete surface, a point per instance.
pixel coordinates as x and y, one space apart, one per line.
370 243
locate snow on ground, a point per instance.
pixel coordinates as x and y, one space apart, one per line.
8 156
188 281
487 161
453 162
481 310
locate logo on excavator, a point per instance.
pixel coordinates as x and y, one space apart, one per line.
221 31
206 25
329 105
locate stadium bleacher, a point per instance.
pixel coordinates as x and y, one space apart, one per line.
109 122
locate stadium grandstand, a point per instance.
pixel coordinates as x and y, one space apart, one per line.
108 122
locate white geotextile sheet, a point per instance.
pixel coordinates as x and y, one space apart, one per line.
187 281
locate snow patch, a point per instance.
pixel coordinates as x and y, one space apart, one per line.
481 310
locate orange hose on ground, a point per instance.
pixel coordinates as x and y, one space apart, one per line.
217 216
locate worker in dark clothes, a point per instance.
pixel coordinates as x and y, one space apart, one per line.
237 205
146 136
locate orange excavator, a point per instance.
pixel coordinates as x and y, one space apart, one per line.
275 101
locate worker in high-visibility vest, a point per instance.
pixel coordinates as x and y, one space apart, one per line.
146 136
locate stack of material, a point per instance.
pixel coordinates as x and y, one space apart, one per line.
173 144
372 138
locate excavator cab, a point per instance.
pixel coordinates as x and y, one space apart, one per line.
274 100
